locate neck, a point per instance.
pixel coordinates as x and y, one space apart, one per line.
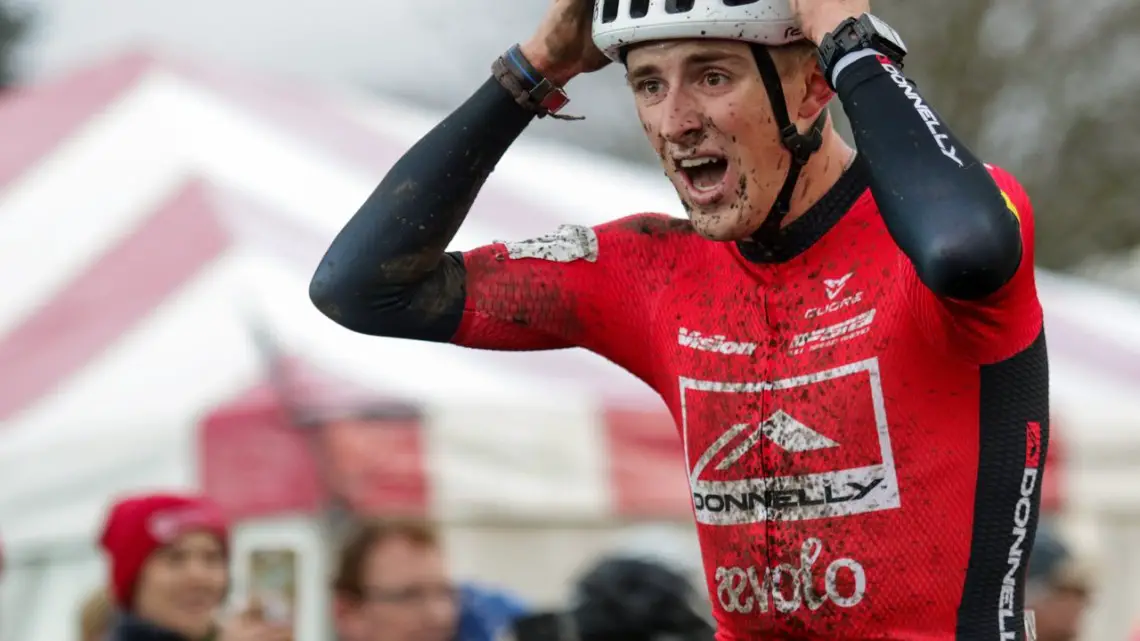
820 174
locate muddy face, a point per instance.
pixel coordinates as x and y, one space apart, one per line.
706 112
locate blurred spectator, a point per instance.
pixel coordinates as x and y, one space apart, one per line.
625 599
96 616
484 612
169 572
1057 588
392 584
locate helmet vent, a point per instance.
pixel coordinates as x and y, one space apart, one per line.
738 3
609 10
679 6
638 8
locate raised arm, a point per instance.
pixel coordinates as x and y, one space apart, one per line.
965 228
939 202
386 272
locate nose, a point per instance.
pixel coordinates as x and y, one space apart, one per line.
203 573
681 120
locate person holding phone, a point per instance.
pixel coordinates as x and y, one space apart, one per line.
169 573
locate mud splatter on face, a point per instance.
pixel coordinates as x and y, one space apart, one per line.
718 141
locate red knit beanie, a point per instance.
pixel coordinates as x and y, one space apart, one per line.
138 526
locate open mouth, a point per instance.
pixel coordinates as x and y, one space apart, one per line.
704 176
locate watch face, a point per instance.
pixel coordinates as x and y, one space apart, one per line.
886 31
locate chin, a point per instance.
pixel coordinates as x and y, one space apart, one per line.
723 224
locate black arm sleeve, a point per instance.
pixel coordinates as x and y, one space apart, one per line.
938 201
386 272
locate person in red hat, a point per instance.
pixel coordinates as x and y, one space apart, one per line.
169 572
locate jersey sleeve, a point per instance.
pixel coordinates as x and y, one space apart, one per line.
1002 324
579 286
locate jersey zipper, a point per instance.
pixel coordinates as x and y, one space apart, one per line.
766 402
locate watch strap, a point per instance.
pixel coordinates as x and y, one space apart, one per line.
846 61
853 35
528 86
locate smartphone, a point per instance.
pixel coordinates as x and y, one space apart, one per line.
273 583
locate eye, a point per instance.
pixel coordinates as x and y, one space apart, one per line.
715 79
649 87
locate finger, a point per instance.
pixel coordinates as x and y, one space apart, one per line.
256 609
275 633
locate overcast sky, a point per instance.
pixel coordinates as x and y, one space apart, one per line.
435 51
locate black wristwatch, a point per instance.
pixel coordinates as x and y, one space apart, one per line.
859 34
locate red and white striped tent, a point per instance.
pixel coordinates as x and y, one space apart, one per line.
151 209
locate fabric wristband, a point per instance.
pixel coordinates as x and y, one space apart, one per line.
528 86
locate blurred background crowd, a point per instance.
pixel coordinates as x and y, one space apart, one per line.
169 177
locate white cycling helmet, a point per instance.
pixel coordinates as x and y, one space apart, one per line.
620 23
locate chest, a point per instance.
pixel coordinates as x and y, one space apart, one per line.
765 322
777 383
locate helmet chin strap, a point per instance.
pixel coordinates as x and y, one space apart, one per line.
800 145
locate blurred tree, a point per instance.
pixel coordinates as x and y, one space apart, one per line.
14 25
1046 89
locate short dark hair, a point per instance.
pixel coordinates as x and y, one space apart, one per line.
364 537
790 56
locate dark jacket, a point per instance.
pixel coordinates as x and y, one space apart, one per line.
131 628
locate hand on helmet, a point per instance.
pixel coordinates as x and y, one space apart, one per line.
817 18
563 46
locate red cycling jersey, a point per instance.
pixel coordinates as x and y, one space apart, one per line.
863 455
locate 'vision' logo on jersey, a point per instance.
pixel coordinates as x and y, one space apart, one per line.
717 343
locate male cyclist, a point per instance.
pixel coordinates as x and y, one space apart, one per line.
851 344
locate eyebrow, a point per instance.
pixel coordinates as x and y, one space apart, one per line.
697 58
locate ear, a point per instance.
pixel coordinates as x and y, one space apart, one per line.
817 93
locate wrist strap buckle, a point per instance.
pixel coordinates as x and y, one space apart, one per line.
530 88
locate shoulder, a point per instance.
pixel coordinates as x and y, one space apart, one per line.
1016 199
649 237
486 611
630 236
652 226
